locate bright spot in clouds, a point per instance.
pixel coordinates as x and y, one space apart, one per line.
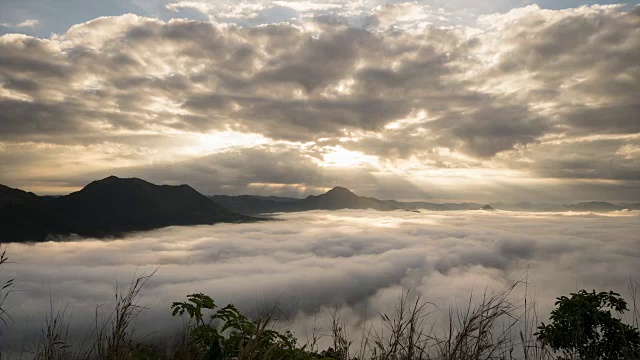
340 157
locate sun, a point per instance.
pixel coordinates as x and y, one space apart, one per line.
337 156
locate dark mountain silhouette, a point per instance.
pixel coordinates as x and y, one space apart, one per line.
417 205
335 199
114 206
25 216
342 198
590 206
252 205
527 206
107 207
593 206
630 206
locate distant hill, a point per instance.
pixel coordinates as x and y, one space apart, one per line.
25 216
342 198
593 206
631 206
107 207
114 206
335 199
421 205
250 204
590 206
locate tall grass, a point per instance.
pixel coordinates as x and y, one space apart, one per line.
114 334
484 328
5 288
54 342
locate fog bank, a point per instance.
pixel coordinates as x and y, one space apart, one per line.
312 261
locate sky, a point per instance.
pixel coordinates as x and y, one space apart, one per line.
358 262
430 100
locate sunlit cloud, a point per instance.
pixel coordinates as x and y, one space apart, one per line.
384 90
29 23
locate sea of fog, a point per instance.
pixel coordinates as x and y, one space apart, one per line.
311 263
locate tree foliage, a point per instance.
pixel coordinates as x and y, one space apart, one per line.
226 333
583 326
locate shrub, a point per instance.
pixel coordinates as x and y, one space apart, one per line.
228 334
584 327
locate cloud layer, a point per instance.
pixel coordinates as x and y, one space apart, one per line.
357 260
542 94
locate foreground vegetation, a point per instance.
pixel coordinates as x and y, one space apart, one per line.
584 325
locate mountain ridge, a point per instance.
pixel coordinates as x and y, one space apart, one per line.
108 207
256 204
114 206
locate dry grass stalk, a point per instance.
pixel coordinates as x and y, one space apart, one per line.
114 335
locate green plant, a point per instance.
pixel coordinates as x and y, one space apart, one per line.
583 327
228 334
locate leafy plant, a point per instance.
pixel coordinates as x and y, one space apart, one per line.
584 327
228 334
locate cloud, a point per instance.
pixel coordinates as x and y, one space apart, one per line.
312 261
401 87
29 23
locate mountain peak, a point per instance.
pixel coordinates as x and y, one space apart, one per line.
106 183
113 178
340 191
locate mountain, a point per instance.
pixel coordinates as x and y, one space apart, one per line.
107 207
593 206
589 206
630 206
421 205
335 199
114 206
527 206
342 198
25 216
253 205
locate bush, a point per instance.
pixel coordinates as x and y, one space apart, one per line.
228 334
584 327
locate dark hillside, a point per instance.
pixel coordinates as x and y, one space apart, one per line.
107 207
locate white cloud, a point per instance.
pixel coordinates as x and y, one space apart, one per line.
356 259
29 23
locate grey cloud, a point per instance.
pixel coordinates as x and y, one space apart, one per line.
563 72
318 62
622 119
613 159
37 120
26 55
584 64
233 171
255 90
